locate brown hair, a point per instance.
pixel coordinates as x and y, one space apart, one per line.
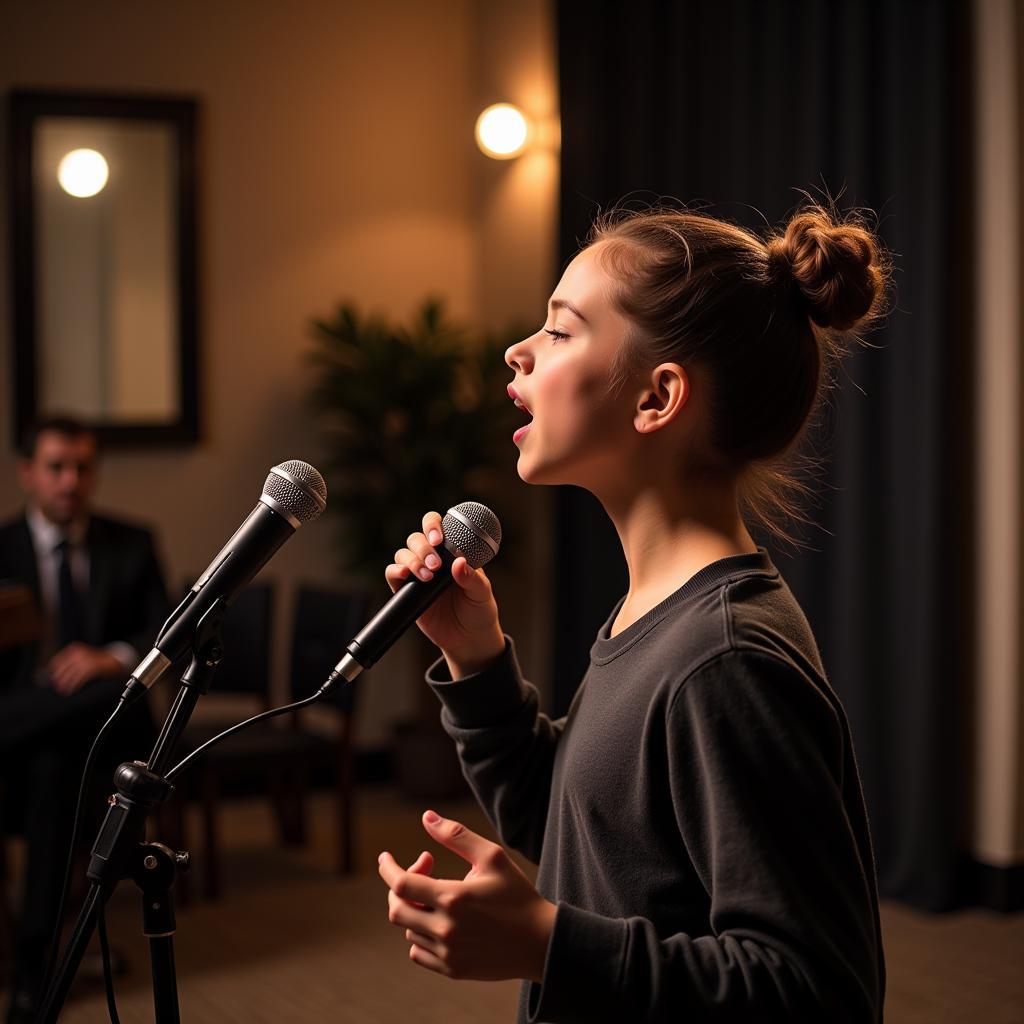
67 426
767 320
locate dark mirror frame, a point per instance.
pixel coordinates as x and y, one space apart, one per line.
180 113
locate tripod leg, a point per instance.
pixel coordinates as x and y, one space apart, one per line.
73 953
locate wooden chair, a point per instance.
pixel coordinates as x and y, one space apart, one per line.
325 620
243 673
285 753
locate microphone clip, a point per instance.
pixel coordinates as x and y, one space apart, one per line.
208 649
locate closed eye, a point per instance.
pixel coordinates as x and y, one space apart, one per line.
556 336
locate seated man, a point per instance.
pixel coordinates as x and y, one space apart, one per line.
102 600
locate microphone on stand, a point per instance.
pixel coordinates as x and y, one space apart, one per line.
294 493
471 530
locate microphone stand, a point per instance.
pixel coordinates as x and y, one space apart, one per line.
121 851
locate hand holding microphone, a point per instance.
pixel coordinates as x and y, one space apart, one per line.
461 620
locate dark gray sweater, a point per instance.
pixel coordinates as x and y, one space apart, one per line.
697 816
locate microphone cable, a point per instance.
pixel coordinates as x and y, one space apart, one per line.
86 772
261 717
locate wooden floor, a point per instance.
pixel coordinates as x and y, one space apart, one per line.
292 942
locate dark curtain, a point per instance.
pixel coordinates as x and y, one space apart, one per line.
736 104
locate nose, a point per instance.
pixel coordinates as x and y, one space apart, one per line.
519 357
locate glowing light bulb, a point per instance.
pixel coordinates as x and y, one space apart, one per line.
502 131
83 173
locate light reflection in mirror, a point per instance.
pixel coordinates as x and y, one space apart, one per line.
83 173
106 303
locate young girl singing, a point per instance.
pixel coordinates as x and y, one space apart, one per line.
697 816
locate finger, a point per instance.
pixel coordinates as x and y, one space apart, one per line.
424 958
407 886
61 674
427 942
396 575
401 569
408 915
423 864
466 843
425 552
74 677
65 683
57 660
407 556
474 582
75 666
425 560
432 528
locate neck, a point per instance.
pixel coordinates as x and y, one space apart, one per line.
669 532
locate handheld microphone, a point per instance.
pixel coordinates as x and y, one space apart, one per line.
294 493
469 529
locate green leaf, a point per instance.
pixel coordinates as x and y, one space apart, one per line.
413 417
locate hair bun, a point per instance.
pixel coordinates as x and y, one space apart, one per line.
837 267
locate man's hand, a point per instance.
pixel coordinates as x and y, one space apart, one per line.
490 926
77 664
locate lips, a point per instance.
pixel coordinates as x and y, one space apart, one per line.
520 404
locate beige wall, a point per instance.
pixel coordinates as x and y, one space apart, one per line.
337 162
998 823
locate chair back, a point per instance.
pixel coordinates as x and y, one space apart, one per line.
325 621
245 634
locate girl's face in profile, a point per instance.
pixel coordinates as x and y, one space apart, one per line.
578 434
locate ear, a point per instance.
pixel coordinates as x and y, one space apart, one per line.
662 400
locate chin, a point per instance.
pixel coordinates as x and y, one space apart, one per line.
548 476
524 474
528 472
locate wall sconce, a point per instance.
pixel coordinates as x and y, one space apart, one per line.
502 131
83 173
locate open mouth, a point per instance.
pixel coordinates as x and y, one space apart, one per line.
522 407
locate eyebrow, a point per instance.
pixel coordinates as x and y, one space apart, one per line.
563 304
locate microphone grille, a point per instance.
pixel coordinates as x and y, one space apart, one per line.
297 490
473 530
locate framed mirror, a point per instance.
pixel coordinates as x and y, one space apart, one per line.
103 213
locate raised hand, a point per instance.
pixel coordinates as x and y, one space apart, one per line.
463 621
489 926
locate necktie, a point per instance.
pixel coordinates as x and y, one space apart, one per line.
69 612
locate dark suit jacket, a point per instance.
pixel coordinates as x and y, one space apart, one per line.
127 600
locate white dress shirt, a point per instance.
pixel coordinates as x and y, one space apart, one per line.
46 536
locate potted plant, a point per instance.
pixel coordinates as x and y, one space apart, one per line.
414 417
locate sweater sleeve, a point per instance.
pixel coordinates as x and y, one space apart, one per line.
756 765
506 745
